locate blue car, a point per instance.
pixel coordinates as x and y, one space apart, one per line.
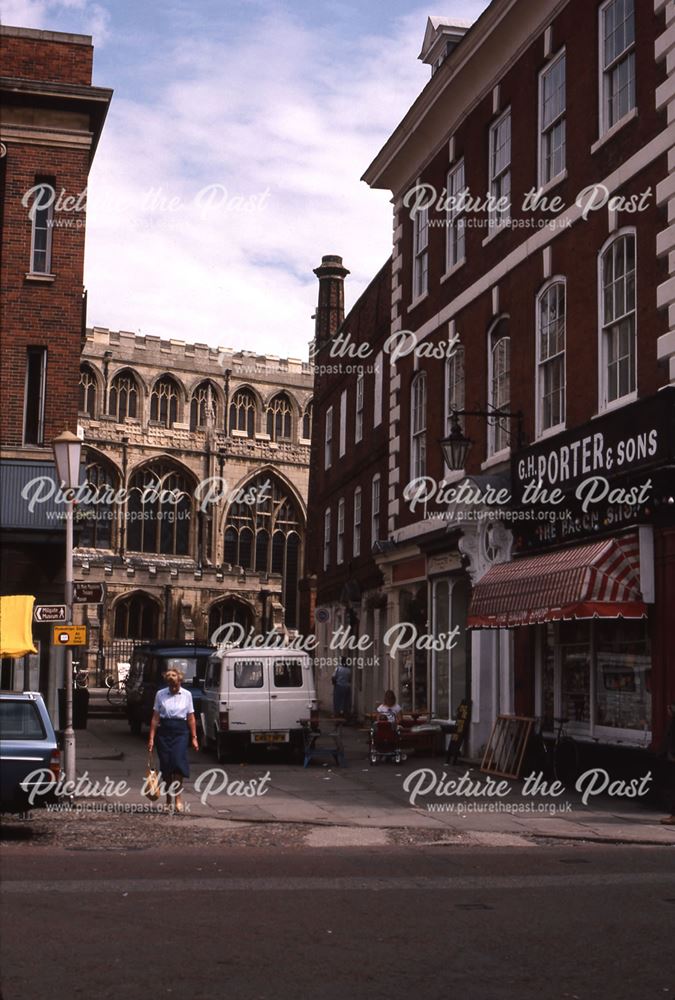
27 744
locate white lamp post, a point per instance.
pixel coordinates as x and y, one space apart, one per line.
67 450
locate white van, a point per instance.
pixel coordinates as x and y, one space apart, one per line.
257 697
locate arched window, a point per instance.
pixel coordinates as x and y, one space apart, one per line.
164 401
499 384
123 396
243 412
137 617
551 356
229 610
203 406
617 308
279 418
95 513
159 510
307 421
454 384
266 536
87 391
418 423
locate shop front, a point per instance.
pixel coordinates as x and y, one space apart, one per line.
589 591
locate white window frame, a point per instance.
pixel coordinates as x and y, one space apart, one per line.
328 439
544 291
358 413
607 69
377 390
454 385
356 536
46 213
418 425
604 402
497 176
455 239
42 398
375 504
326 538
343 423
560 118
494 425
420 223
340 555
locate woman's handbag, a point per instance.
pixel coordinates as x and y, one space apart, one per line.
151 785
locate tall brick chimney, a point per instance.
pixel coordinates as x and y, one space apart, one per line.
330 310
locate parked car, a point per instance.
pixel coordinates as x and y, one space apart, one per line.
257 698
148 665
27 744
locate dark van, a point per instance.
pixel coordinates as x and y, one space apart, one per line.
148 665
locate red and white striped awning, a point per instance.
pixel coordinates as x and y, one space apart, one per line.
598 580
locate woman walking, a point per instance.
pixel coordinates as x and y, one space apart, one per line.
173 721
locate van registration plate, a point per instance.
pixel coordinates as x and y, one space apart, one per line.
276 737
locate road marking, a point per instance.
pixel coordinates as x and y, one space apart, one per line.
336 884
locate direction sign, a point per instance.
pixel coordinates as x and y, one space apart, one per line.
69 635
88 593
49 613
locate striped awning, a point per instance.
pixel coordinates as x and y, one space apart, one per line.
598 580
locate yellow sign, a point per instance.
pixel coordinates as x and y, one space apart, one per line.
69 635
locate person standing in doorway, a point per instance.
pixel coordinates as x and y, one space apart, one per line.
342 689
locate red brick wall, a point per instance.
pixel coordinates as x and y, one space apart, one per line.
39 59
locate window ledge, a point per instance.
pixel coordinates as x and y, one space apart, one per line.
238 434
45 279
497 459
554 181
452 270
550 432
616 127
616 404
416 302
495 231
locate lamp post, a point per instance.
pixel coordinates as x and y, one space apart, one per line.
67 450
456 445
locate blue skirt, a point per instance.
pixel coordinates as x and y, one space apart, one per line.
172 746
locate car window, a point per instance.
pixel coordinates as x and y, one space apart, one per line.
248 674
213 675
20 720
287 674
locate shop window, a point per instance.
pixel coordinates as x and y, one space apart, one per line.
623 698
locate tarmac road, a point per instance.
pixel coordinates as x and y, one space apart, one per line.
586 921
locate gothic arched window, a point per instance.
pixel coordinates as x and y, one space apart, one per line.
164 401
203 406
137 617
87 391
279 422
243 412
159 510
307 421
123 396
266 537
229 610
95 513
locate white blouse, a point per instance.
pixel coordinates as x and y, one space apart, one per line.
173 706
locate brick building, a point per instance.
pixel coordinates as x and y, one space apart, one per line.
214 429
348 486
52 119
560 313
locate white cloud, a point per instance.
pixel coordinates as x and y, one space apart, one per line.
80 16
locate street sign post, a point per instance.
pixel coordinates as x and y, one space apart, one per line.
69 635
88 593
50 613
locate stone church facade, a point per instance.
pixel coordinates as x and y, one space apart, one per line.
195 511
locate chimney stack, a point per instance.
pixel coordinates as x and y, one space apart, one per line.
330 311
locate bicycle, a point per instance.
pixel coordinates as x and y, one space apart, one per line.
117 694
558 758
80 677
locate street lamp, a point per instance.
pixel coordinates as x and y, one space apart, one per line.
456 445
67 450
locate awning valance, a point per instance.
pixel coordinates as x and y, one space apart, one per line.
16 625
601 579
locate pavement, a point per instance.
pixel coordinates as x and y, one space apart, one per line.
364 805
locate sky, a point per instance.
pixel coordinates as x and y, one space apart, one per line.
231 157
